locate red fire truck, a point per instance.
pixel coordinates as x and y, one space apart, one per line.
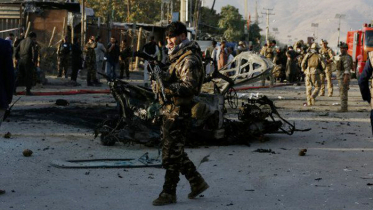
359 44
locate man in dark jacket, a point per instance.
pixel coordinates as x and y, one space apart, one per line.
113 53
63 54
6 79
26 52
76 59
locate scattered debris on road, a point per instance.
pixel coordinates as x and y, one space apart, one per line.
7 135
302 152
27 153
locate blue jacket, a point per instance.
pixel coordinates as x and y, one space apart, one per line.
6 74
364 81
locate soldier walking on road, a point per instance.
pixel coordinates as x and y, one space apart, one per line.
344 67
313 65
327 54
184 81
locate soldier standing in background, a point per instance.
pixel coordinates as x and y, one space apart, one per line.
90 61
125 54
313 65
63 54
327 54
27 54
278 69
344 67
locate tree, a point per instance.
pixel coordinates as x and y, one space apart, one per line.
209 21
254 33
231 20
144 11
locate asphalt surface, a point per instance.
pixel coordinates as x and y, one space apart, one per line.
335 173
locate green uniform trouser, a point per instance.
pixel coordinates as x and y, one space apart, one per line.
176 123
91 72
312 80
63 66
343 94
124 67
328 76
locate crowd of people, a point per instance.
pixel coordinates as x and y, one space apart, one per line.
310 64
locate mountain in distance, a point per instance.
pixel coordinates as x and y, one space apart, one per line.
294 17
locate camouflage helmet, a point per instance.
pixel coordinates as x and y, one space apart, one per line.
343 45
314 46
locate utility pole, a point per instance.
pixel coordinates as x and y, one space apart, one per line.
246 10
256 13
315 31
183 11
267 28
339 16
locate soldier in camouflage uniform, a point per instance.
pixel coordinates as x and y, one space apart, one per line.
183 81
312 65
63 54
269 52
344 67
90 61
327 54
125 54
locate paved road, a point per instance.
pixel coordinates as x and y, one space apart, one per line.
336 172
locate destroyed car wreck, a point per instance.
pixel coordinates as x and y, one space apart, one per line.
138 120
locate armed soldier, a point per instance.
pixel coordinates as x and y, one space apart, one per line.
90 61
312 65
63 53
344 67
183 81
327 54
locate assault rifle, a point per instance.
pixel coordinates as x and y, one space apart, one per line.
156 72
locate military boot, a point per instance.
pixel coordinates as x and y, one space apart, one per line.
168 194
164 199
197 188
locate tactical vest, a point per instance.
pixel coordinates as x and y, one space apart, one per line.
313 64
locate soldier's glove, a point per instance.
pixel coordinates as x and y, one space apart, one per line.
178 90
